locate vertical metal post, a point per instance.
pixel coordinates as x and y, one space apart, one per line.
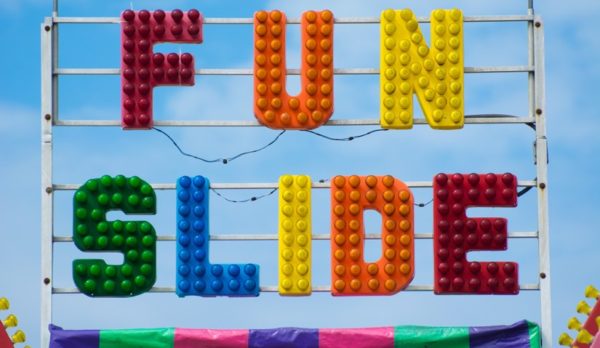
530 54
541 152
48 108
537 108
54 62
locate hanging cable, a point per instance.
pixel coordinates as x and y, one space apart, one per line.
222 160
350 138
229 159
254 151
251 199
525 190
421 205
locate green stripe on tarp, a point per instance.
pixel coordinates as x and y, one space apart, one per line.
137 338
535 341
431 337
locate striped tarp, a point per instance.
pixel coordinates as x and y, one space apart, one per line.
522 334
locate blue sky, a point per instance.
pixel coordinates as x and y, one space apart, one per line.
572 72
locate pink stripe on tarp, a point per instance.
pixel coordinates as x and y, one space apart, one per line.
380 337
192 338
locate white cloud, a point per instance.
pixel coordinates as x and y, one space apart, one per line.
17 120
568 11
19 5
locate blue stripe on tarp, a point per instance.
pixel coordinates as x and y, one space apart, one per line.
283 338
505 336
60 338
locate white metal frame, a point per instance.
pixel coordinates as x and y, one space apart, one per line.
50 118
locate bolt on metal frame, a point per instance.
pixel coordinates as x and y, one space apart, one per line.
50 118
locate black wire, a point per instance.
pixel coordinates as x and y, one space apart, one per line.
254 151
255 198
251 199
421 205
183 152
350 138
524 191
223 160
229 159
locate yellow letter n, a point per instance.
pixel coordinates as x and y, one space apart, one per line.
408 66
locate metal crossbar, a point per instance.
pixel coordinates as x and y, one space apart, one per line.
274 288
492 119
337 20
272 185
337 71
223 237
